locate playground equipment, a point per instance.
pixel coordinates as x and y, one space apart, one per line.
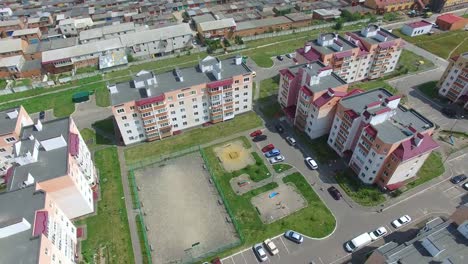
273 194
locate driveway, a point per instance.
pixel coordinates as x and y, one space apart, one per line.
87 113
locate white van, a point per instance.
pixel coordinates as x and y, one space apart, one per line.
358 242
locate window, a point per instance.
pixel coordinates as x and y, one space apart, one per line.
184 116
195 106
171 105
129 131
196 113
131 138
184 123
246 79
170 98
176 125
182 110
172 112
246 93
134 114
181 103
174 119
194 99
236 89
126 125
236 81
246 86
124 118
245 100
181 95
193 92
132 107
245 107
120 110
2 149
197 120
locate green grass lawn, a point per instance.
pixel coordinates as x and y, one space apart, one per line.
257 171
22 82
412 61
92 139
109 228
440 44
102 97
432 168
280 167
86 69
269 87
315 220
319 147
146 256
3 84
366 195
193 137
429 89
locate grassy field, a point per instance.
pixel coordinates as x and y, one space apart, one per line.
429 89
144 251
366 195
369 85
281 167
193 137
3 84
441 44
319 147
432 168
257 171
412 62
252 228
103 98
108 232
92 139
269 87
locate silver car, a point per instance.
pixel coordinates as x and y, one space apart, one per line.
260 252
276 159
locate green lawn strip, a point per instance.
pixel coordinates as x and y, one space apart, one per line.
370 85
92 139
281 167
22 82
144 251
412 62
269 87
432 168
39 91
193 137
246 142
270 108
314 220
102 97
88 69
365 195
257 171
429 89
319 147
462 48
3 84
109 228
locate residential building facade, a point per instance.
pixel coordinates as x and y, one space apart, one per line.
31 35
386 6
385 142
442 6
12 47
217 28
152 107
454 82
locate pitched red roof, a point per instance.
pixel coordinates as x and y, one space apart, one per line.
387 44
419 24
74 143
311 55
306 91
220 83
449 18
288 73
383 110
150 100
354 91
351 113
370 130
391 98
395 186
408 149
40 223
344 54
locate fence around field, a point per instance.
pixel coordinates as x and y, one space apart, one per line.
152 160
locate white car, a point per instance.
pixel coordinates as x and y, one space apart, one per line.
401 221
379 232
260 252
276 159
291 141
312 164
271 246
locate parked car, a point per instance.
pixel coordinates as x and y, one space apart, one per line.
279 57
294 236
260 252
311 163
279 128
459 178
404 220
290 55
268 148
256 133
41 115
271 246
259 138
334 192
216 261
379 232
291 141
276 159
358 242
465 186
449 112
272 153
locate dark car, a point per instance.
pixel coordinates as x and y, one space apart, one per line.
41 115
216 261
279 57
459 178
259 138
449 112
334 192
279 128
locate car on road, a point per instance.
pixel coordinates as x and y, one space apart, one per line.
449 112
260 252
311 163
294 236
276 159
270 246
290 55
272 153
358 242
404 220
334 192
268 148
259 138
459 178
279 57
279 128
379 232
256 133
41 115
291 141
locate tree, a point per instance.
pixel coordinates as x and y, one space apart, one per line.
338 25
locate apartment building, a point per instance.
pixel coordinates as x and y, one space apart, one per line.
454 82
51 156
366 54
153 107
34 229
387 143
12 122
308 94
442 6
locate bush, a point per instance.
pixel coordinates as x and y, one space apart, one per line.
338 25
238 40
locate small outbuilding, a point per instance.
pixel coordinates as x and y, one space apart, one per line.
416 28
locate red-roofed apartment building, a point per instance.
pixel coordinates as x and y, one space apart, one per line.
454 81
386 142
308 94
451 22
366 54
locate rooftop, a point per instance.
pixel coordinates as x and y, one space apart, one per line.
381 35
10 61
16 205
262 23
26 31
50 164
217 24
167 81
8 23
9 45
449 18
203 18
328 81
339 42
156 34
7 124
419 24
51 44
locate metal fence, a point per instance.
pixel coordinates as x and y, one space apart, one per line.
152 160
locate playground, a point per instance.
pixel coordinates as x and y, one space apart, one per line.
183 212
278 203
241 184
234 156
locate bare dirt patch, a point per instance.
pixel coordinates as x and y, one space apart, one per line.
234 156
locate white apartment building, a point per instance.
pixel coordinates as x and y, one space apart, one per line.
153 107
454 82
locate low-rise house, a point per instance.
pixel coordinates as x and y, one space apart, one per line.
5 13
416 28
106 32
387 6
451 22
326 14
12 47
385 142
217 28
73 26
34 51
260 26
8 26
43 21
31 35
454 82
16 67
300 19
152 107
